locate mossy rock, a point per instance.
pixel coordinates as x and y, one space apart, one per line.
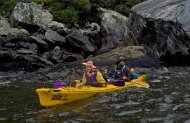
110 58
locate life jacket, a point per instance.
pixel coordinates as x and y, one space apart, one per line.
119 72
91 79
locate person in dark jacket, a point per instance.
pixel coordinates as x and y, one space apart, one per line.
121 71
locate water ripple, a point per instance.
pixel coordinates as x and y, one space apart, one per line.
167 100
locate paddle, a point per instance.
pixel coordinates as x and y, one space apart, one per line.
140 84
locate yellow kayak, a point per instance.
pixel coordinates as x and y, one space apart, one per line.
57 96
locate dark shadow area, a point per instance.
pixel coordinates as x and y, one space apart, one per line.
176 60
31 28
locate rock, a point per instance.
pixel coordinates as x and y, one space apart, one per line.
17 34
26 52
44 61
91 29
58 75
113 27
164 26
27 45
2 41
55 25
54 38
42 37
56 55
31 14
59 28
33 60
137 56
46 18
47 56
38 41
4 27
71 58
22 60
10 45
76 39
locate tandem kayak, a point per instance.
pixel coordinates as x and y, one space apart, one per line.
58 96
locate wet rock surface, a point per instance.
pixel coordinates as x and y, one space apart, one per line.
163 26
50 43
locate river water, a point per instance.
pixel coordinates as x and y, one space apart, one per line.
167 100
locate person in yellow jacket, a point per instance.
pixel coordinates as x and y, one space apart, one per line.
92 76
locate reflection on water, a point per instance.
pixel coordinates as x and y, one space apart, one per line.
167 100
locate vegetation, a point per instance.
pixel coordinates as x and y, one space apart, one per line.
122 6
78 11
6 6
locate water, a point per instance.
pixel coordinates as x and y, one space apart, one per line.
167 100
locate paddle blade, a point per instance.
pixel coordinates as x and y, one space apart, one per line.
140 84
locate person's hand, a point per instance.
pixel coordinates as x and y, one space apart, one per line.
78 85
124 78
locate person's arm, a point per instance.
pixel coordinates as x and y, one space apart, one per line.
100 78
127 74
83 79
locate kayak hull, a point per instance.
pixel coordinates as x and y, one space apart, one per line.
58 96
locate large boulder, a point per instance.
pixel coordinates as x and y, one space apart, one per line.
23 59
78 40
54 38
32 14
4 27
16 34
38 41
137 56
113 27
162 25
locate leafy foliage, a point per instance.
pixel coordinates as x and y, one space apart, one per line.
8 6
42 1
82 4
62 13
67 15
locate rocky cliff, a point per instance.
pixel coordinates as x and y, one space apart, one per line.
163 26
30 39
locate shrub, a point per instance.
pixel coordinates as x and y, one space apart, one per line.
105 3
66 16
42 1
82 4
8 6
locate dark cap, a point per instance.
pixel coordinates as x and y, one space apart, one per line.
120 58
